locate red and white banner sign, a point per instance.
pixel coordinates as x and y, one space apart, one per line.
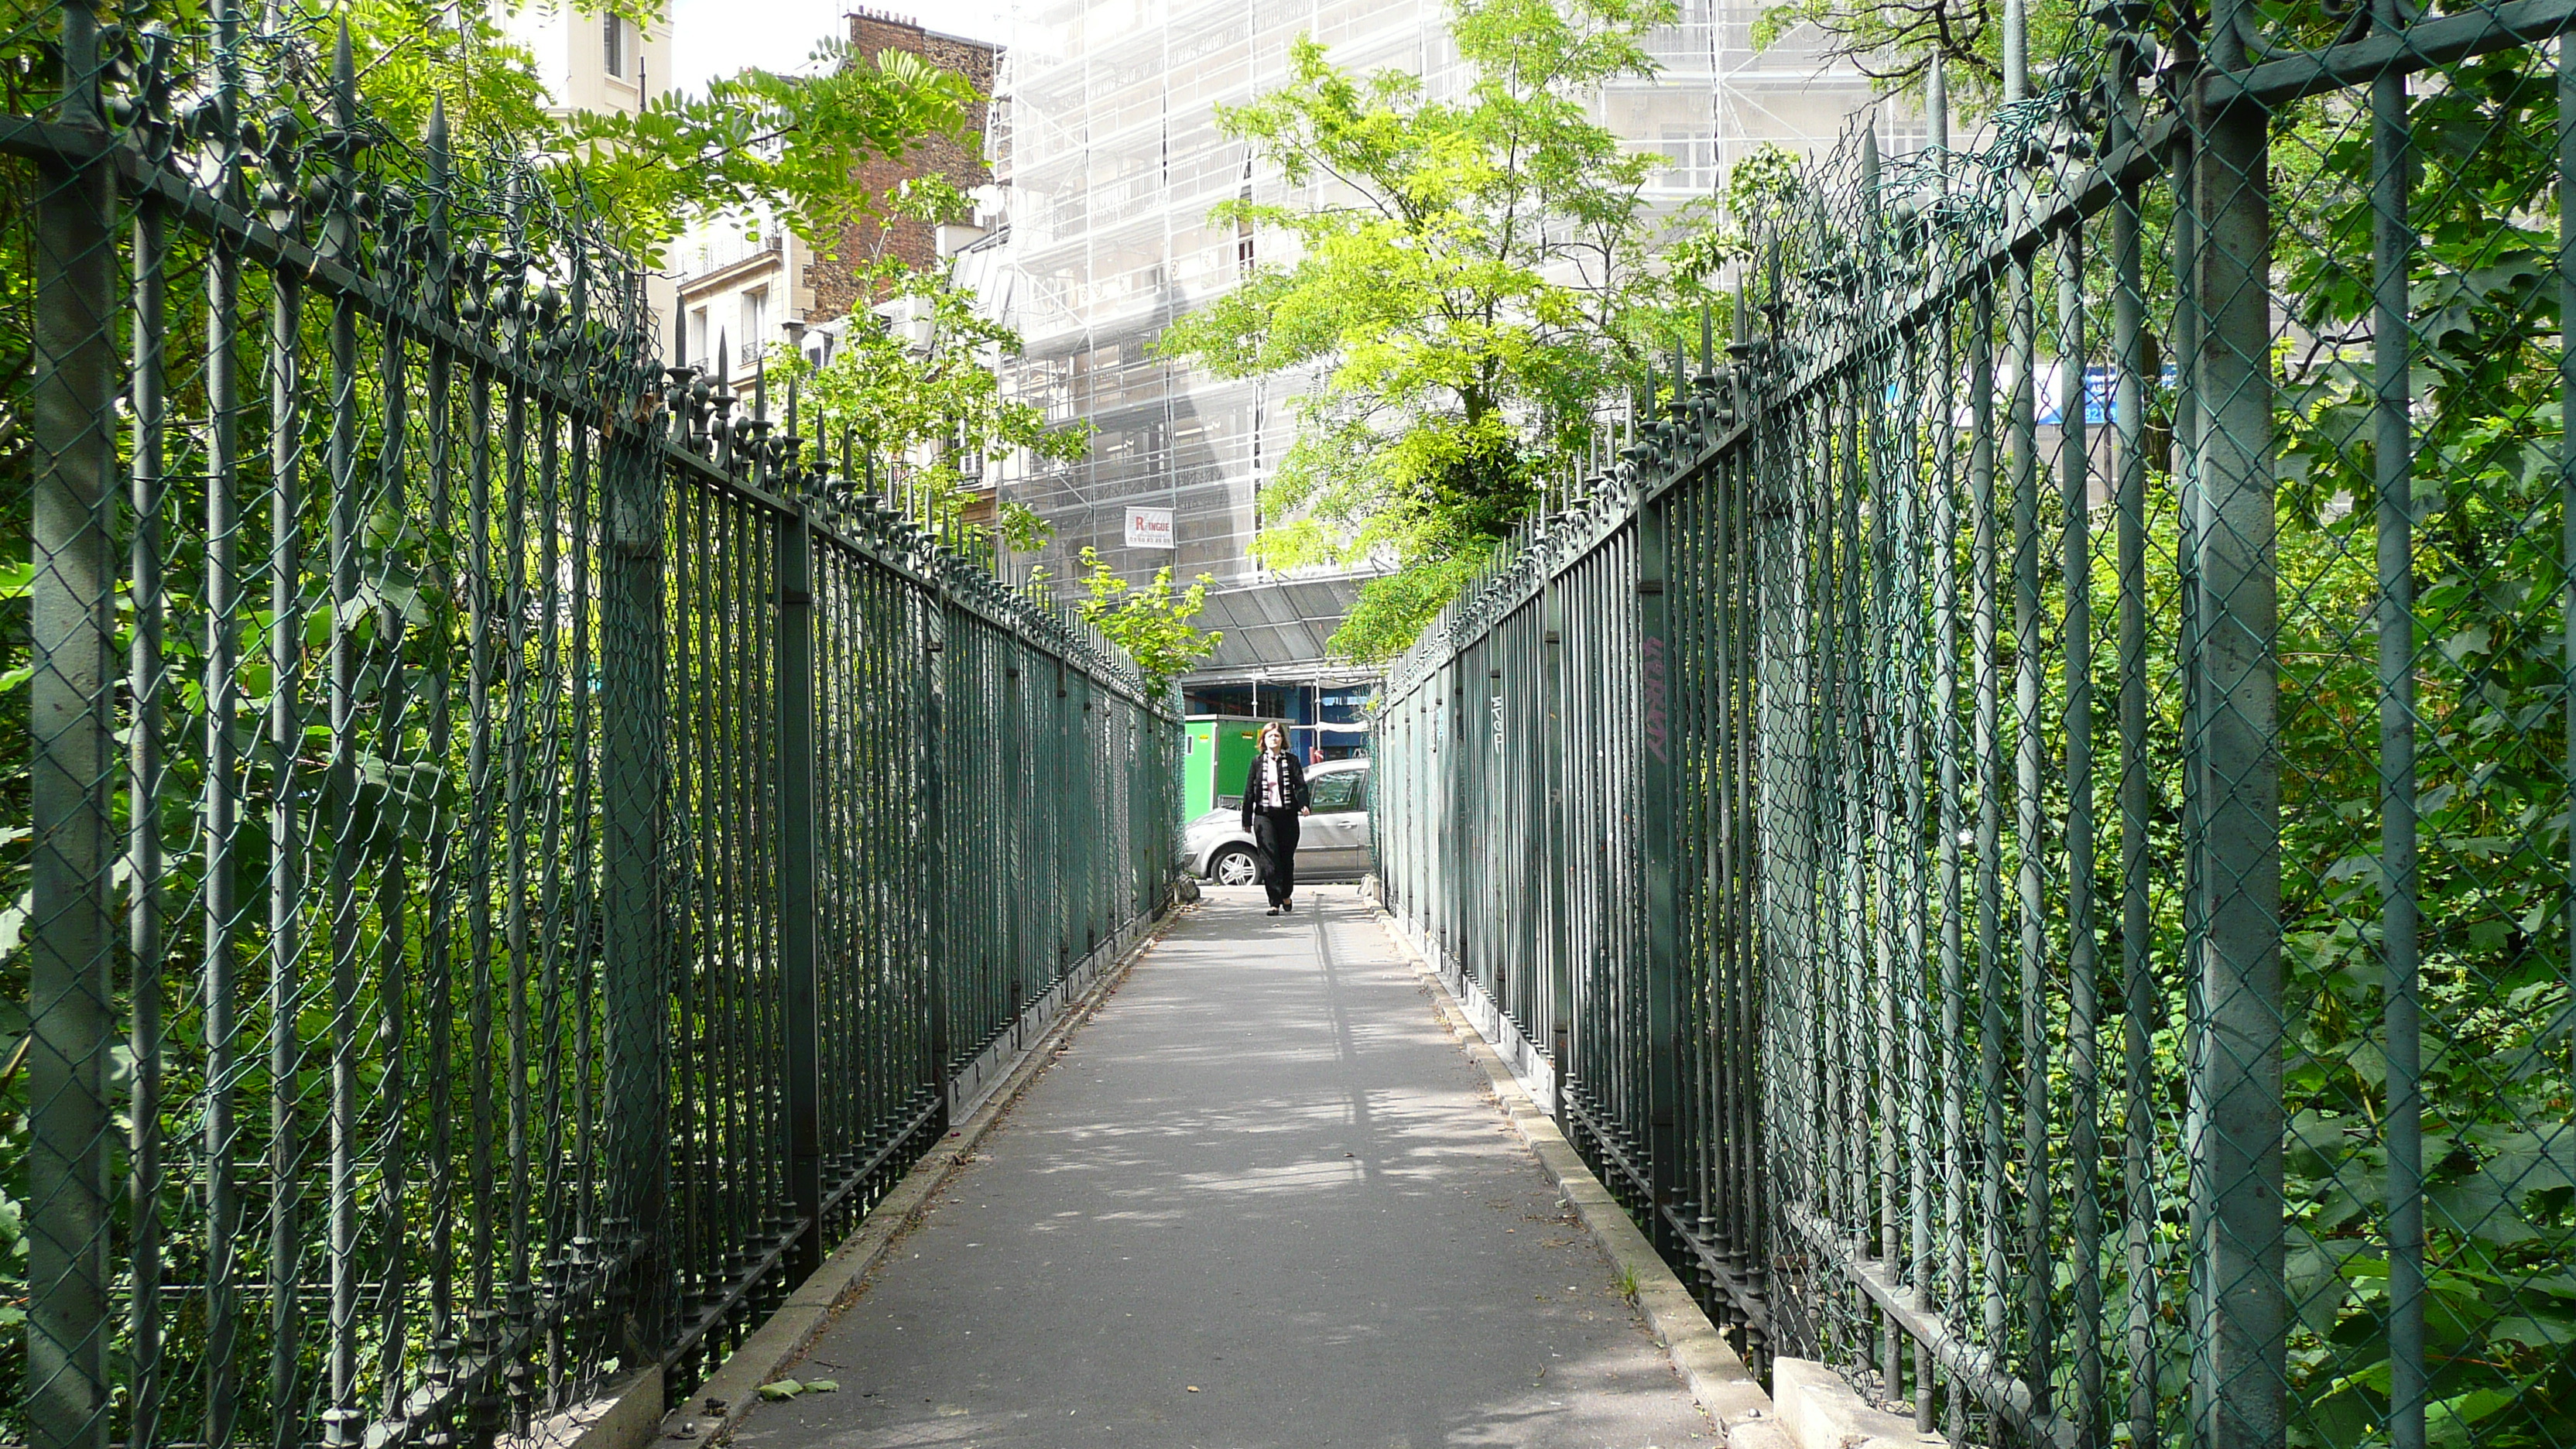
1150 528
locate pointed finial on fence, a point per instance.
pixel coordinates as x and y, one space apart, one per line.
442 173
2016 50
1936 106
1707 340
791 450
344 78
720 401
1869 164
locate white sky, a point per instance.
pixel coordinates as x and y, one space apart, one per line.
713 38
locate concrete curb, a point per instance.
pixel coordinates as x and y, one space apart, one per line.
1820 1411
720 1404
1717 1378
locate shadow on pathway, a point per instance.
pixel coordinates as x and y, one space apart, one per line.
1262 1200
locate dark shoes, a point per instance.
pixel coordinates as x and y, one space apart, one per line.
1274 910
1289 906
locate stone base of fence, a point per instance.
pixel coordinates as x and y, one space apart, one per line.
1819 1410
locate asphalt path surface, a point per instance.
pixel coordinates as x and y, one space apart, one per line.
1261 1199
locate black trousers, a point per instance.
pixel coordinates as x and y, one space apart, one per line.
1275 831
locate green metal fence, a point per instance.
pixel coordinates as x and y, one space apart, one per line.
2050 764
512 853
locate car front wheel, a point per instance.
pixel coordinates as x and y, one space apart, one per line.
1235 866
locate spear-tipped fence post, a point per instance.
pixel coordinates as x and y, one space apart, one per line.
2235 775
797 923
71 714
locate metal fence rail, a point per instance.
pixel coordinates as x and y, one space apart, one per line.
2050 765
513 851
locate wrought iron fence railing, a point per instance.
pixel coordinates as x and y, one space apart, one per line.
2025 825
510 850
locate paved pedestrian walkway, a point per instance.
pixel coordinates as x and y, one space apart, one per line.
1262 1200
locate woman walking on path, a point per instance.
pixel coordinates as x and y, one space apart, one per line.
1274 795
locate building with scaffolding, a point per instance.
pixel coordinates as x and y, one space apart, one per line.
1108 157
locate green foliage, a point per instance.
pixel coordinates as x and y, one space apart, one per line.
2488 668
793 142
1764 186
1392 612
2489 672
921 413
413 54
408 620
1149 621
1476 282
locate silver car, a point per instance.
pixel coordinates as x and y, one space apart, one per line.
1332 841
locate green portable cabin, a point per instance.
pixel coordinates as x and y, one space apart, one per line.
1220 756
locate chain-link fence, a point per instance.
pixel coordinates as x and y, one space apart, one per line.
2053 761
510 853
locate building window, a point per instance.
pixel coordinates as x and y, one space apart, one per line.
698 355
613 45
755 324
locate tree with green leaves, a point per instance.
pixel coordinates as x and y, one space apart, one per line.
1477 280
924 406
1895 42
792 143
1148 620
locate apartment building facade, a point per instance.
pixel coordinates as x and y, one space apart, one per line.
1108 157
590 60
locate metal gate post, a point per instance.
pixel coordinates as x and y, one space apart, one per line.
1061 760
1657 776
1088 838
2237 1161
1557 943
934 831
71 714
634 975
1454 831
797 957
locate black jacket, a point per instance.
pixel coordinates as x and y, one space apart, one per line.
1252 785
